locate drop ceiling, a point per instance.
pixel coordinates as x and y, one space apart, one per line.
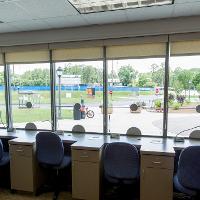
27 15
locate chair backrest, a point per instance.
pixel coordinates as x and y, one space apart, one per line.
195 134
189 168
121 161
1 149
133 131
78 129
49 149
30 126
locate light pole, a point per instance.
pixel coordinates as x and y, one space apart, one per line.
59 73
189 88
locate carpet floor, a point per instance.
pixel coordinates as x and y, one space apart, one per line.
6 195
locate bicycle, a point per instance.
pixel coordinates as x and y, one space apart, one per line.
89 113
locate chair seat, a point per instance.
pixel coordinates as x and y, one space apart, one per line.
5 159
183 189
65 162
117 180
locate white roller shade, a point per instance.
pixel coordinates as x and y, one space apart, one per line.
185 47
136 51
28 56
1 59
93 53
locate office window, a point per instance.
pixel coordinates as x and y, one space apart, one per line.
136 95
184 91
79 95
31 102
2 99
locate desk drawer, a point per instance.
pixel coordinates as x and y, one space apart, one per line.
85 155
154 161
21 150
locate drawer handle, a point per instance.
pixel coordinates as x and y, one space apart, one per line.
156 162
84 156
19 150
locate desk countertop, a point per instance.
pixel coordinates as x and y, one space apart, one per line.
147 145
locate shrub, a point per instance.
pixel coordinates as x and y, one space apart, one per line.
180 99
176 106
141 103
187 101
171 97
158 103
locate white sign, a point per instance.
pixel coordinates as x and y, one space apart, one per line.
70 80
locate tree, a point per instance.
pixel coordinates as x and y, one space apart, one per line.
89 74
158 74
1 78
145 80
127 74
185 77
198 88
196 80
36 77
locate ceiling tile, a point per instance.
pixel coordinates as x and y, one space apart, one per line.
185 1
48 8
9 11
106 17
156 12
6 27
68 21
29 25
186 9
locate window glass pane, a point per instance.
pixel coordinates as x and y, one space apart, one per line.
2 99
31 95
183 94
80 84
136 95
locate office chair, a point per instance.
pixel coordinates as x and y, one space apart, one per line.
4 166
133 131
31 126
187 178
78 129
50 155
121 164
4 156
195 134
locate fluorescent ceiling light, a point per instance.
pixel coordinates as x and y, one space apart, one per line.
91 6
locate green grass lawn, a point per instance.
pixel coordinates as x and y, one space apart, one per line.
34 114
37 114
42 114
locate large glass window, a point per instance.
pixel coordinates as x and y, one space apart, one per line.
136 95
184 94
2 99
79 95
30 84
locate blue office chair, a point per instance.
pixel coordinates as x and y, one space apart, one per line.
4 167
187 178
4 156
50 155
121 164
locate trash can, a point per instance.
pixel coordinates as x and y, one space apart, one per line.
77 111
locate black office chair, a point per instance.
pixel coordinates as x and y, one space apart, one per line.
187 178
50 155
121 164
30 126
4 166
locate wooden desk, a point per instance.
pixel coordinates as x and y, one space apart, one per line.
157 162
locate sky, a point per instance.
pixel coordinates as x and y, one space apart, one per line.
141 65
